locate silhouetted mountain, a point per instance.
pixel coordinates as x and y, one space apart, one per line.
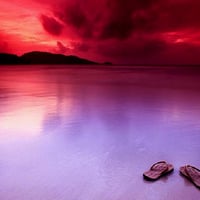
8 59
37 57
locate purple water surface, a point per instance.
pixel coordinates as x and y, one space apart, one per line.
89 133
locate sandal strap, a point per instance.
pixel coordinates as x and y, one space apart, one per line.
188 173
192 167
158 163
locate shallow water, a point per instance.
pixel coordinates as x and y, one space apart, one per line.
88 133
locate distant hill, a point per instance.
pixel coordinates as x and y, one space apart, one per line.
6 58
37 57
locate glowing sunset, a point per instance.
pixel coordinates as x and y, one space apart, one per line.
146 32
99 99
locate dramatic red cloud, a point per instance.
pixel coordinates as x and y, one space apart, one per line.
51 25
121 31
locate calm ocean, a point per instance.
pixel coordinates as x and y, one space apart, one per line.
89 132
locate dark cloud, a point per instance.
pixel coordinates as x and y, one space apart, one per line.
110 19
61 48
80 46
121 22
149 51
128 30
120 18
181 15
74 15
51 25
134 50
168 15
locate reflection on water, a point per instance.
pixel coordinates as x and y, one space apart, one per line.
88 133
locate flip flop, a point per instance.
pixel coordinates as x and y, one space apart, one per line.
157 170
192 174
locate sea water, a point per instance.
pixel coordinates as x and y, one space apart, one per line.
89 132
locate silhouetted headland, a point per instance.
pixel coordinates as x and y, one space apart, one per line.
37 57
6 58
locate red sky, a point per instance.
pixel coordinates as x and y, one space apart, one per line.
120 31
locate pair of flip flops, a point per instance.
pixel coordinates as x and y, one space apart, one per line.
162 168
